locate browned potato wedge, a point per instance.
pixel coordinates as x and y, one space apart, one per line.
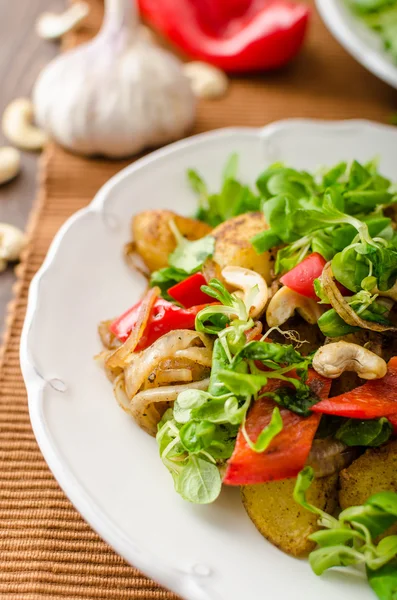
280 519
155 241
373 472
233 245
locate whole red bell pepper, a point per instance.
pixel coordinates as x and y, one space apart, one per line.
301 278
287 453
234 35
188 292
376 398
164 317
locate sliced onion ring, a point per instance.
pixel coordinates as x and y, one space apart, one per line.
329 456
167 346
343 309
134 260
119 357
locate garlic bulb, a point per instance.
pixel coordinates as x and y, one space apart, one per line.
117 94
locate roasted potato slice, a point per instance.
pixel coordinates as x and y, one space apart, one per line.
373 472
233 244
154 240
280 519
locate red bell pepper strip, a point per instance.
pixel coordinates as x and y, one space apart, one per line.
188 292
165 317
301 278
234 35
393 421
287 453
376 398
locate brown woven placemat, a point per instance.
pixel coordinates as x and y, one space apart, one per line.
46 549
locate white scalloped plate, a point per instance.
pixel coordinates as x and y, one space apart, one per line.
362 43
107 466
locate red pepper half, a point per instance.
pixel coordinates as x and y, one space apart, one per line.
374 399
188 292
234 35
287 453
165 317
301 278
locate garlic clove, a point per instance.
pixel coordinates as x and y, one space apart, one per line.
206 81
12 242
51 26
10 163
18 127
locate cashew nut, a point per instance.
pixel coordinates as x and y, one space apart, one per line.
10 163
285 302
18 128
51 26
12 241
206 81
333 359
245 280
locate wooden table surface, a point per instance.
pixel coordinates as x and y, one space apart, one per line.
22 55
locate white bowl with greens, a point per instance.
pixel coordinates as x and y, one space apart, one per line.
367 29
106 464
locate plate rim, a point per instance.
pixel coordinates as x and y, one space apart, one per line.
365 55
184 584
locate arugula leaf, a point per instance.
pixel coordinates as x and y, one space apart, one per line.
367 6
186 402
332 325
267 434
197 183
372 432
195 474
298 400
348 539
381 16
199 481
278 179
363 303
243 384
271 354
233 199
187 258
339 216
232 307
333 556
196 435
165 278
219 363
384 581
387 501
190 256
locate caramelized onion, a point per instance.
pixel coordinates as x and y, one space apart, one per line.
329 456
201 356
108 339
120 356
343 309
134 260
174 376
148 406
146 362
